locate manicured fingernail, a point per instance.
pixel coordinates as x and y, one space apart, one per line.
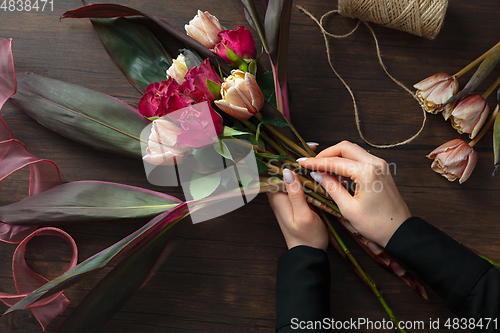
302 159
317 177
287 176
312 144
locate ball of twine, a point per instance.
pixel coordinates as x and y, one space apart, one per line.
419 17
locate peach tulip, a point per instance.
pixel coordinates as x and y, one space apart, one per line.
241 95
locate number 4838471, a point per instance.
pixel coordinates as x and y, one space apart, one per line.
27 5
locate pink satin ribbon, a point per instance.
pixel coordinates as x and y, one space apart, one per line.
44 175
27 280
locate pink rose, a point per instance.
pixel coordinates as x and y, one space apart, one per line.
162 98
200 125
239 40
195 85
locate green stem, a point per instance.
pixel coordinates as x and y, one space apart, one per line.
266 138
357 267
475 62
287 141
324 201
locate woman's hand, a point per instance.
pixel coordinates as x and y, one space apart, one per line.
376 209
299 224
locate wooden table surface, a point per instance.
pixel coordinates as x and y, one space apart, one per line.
219 276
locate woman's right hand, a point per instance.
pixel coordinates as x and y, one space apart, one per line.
376 209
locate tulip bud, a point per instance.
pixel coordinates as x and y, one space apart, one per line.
178 69
435 90
204 28
161 145
454 159
241 95
469 114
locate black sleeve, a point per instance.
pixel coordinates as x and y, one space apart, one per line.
469 285
302 288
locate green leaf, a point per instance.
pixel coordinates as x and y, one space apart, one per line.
257 22
487 65
153 118
223 150
261 166
114 290
275 121
100 260
252 67
208 157
229 131
266 85
191 58
214 88
202 185
86 116
496 137
134 49
271 156
272 26
245 177
87 201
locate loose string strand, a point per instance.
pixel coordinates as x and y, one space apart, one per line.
356 111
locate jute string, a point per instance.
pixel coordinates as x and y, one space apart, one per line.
356 112
419 17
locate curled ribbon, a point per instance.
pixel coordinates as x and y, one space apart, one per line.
27 280
44 174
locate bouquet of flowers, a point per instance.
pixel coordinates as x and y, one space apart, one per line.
212 119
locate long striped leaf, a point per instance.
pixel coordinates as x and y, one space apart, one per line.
87 201
97 262
134 49
86 116
115 289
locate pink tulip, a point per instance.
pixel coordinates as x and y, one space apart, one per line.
239 40
162 149
469 114
242 97
454 159
204 28
435 90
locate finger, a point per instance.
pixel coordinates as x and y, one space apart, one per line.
281 205
296 195
337 165
338 192
348 150
313 145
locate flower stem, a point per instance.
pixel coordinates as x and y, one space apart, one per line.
475 62
485 128
307 182
359 270
307 152
491 88
266 138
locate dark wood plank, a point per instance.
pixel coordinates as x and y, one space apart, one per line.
219 276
